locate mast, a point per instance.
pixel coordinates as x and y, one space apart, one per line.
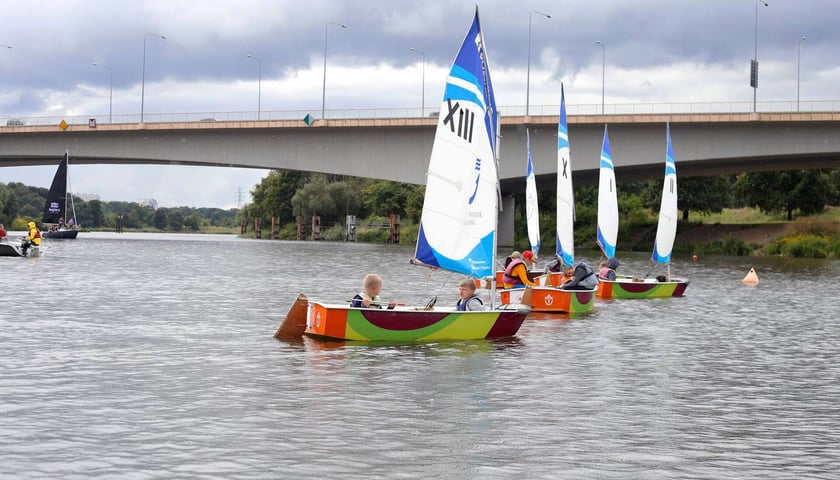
69 191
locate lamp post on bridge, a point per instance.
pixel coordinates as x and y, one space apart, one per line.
528 76
259 84
110 92
423 86
798 55
603 71
754 64
324 87
143 81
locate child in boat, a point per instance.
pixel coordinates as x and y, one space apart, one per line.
369 297
608 268
516 273
582 277
469 300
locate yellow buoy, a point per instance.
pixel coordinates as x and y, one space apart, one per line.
751 278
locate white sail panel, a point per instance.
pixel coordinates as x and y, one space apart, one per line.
565 193
666 230
532 209
607 201
458 223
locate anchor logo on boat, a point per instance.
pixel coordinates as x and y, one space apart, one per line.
549 300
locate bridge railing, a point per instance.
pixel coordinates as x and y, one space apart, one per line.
416 112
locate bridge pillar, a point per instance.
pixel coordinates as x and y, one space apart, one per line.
504 237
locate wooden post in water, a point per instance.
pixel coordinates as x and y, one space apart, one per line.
257 227
316 227
395 229
275 228
243 227
299 227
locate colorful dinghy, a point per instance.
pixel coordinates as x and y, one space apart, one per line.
662 286
546 296
457 226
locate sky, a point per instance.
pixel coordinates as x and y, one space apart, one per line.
654 51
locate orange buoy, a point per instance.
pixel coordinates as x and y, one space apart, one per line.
751 278
694 257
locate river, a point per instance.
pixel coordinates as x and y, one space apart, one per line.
140 356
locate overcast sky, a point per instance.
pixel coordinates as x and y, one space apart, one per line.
656 51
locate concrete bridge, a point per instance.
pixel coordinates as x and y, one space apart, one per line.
399 148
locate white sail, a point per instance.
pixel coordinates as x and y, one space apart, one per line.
460 210
607 201
532 210
565 194
666 230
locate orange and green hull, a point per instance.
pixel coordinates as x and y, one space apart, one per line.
409 325
646 288
550 299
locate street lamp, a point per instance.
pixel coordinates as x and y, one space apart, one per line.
423 87
528 79
754 66
143 82
798 55
324 88
111 92
259 85
603 70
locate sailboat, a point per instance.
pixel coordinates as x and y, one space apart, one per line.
649 287
546 297
56 224
457 227
532 209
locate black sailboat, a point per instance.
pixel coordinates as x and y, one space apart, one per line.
56 224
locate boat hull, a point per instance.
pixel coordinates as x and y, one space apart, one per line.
551 299
646 288
409 325
63 234
10 250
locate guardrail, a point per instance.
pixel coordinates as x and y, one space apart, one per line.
416 112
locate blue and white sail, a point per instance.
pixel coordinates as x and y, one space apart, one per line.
460 210
666 231
607 201
565 192
532 209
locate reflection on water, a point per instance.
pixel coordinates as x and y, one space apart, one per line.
139 356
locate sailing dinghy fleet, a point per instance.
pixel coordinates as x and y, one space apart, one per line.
459 223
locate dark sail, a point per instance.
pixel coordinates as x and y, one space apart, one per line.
56 200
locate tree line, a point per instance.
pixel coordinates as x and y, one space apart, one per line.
287 195
20 204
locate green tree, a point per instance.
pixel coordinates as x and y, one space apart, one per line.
805 191
175 220
383 197
160 220
313 198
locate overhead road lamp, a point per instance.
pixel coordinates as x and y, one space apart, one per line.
423 86
259 84
603 71
111 91
324 87
528 77
754 63
143 81
798 55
